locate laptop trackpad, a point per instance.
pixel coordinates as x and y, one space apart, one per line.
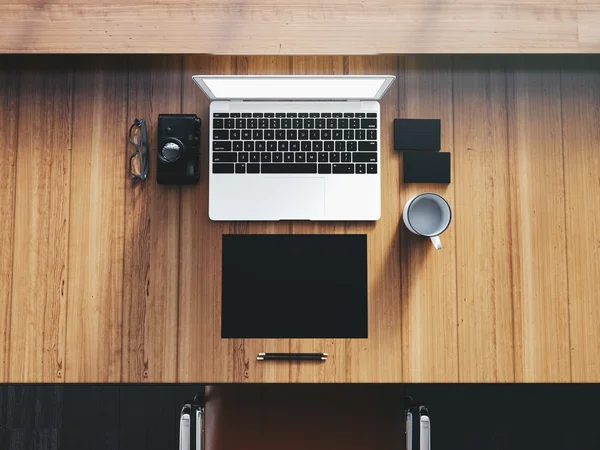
296 198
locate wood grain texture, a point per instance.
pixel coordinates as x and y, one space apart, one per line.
39 294
309 27
483 245
429 311
9 104
96 238
150 271
580 88
541 314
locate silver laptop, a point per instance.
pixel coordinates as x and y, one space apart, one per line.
294 147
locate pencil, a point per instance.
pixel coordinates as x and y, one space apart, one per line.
292 357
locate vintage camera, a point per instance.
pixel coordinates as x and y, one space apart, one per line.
178 149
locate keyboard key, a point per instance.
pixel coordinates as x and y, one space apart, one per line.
269 135
246 135
360 168
359 115
371 168
311 157
302 114
337 135
360 135
300 157
283 146
240 123
240 168
278 157
315 135
252 123
269 114
217 123
367 146
371 114
309 123
325 114
334 156
348 114
263 123
292 115
319 123
288 168
324 168
305 146
254 157
351 146
274 123
265 157
238 146
249 146
260 146
348 135
340 146
297 123
257 114
303 135
221 134
222 146
346 157
234 135
314 115
252 168
292 135
354 123
286 123
229 123
257 135
342 123
220 114
371 135
337 115
343 168
288 157
331 123
326 135
323 157
235 115
223 168
329 146
294 146
243 157
246 115
279 114
368 123
280 135
272 146
317 146
364 157
224 157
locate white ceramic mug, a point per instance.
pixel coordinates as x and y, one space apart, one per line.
428 215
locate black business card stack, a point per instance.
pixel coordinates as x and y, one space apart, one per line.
420 139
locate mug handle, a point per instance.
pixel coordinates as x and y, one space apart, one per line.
436 242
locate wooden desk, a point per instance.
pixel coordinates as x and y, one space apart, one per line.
104 281
309 27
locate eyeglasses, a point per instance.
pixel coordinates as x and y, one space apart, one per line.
138 162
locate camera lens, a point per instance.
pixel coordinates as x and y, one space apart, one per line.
171 151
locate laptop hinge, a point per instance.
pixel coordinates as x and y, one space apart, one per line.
236 100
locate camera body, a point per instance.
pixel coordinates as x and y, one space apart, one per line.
178 149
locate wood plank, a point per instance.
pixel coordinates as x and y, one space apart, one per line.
202 354
151 274
9 105
38 308
96 241
310 27
539 272
580 87
482 204
429 311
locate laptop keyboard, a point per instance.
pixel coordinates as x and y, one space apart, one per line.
294 143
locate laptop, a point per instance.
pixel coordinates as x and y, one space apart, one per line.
294 147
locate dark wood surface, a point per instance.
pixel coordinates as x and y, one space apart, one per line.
102 281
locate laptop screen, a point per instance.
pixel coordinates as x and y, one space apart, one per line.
294 87
294 286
